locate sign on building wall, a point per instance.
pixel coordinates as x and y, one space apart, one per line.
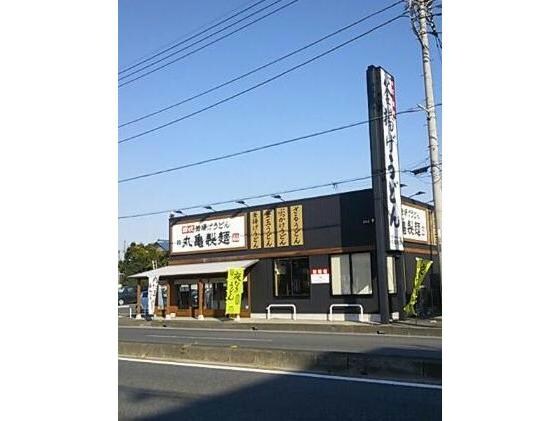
279 227
208 235
256 231
391 162
415 223
320 276
282 231
269 233
296 223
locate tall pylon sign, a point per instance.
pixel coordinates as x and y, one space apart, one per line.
386 181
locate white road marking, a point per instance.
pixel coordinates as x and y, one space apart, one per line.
286 373
210 337
301 332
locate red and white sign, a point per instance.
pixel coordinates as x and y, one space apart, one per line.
208 235
320 276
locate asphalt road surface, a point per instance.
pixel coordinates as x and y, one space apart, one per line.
149 391
425 347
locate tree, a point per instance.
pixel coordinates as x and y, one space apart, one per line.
138 258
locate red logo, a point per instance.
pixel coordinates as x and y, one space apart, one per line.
235 237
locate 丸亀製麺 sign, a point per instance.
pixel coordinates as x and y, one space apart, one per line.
234 290
269 233
282 227
208 235
414 223
296 223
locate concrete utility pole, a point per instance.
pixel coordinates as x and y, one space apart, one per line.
420 10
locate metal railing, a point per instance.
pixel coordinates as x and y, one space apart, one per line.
332 306
269 307
131 309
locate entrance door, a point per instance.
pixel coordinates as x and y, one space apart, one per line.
215 297
187 299
214 304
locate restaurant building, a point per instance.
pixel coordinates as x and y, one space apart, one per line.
298 257
319 258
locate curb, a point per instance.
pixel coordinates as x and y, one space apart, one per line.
300 327
339 363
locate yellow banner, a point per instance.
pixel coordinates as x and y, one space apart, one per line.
422 268
234 290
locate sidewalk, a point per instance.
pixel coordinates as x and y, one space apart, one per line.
410 327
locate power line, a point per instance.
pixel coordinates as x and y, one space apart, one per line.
270 63
188 33
205 45
127 139
333 184
260 148
176 44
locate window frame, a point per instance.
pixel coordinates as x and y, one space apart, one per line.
350 268
290 259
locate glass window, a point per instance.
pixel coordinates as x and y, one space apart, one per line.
361 274
340 268
351 274
291 277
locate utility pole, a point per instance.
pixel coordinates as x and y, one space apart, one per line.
420 10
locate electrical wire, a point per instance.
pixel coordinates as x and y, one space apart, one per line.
202 47
260 196
174 44
257 69
177 120
260 148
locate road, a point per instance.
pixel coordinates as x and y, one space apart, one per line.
425 347
152 391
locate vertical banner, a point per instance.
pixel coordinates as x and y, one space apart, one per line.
268 228
152 293
282 239
387 168
256 230
422 268
160 303
296 223
391 162
234 290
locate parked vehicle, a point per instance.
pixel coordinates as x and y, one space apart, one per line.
127 295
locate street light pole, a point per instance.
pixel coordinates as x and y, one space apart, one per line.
420 7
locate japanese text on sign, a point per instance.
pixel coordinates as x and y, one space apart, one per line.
268 228
256 232
282 227
391 158
296 222
234 290
214 234
414 223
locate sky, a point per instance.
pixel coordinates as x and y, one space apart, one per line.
327 93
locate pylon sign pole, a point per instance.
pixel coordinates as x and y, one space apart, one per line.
389 240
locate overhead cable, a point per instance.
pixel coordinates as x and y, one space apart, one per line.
202 47
331 50
176 44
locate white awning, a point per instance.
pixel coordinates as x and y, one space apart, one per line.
195 269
